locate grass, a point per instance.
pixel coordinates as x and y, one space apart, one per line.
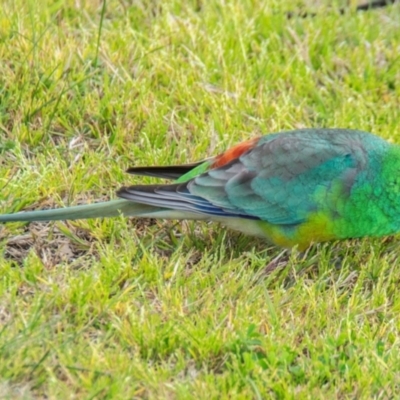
118 308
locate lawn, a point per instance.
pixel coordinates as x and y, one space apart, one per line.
127 309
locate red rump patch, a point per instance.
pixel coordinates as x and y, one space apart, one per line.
234 152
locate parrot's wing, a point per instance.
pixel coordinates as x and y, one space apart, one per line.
280 179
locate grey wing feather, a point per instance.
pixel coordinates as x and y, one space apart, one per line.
277 180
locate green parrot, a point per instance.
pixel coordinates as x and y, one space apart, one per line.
293 188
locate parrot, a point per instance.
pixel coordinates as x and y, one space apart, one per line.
293 188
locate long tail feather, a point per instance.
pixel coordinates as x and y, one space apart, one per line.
166 172
111 208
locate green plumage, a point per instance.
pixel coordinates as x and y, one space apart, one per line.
293 188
